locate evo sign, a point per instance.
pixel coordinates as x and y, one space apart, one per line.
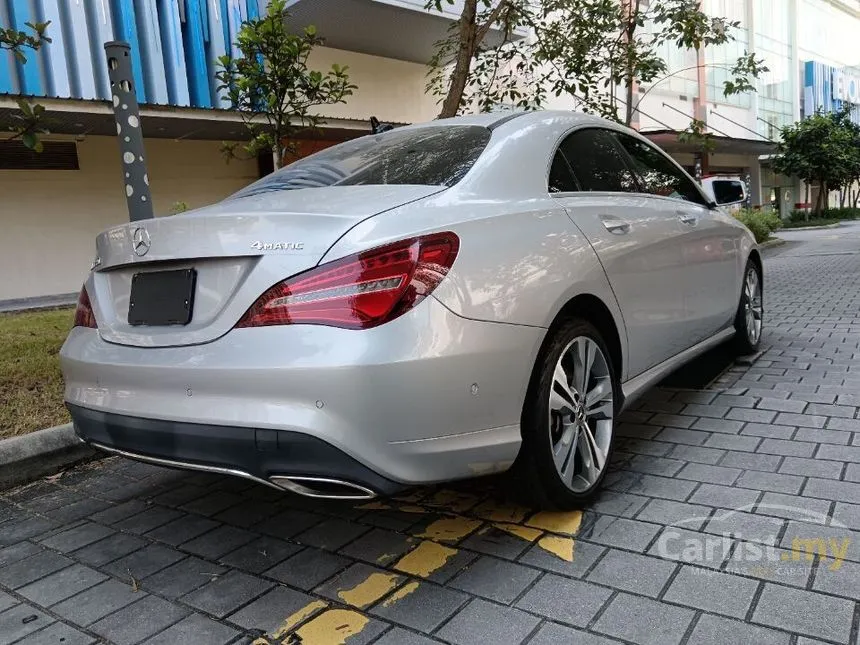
845 86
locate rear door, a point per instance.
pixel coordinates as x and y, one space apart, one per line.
637 243
709 245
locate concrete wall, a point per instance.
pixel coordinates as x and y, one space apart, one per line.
390 90
49 218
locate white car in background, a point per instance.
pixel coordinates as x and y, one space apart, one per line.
726 189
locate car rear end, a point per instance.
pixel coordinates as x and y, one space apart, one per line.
227 340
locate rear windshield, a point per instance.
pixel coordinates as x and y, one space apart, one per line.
430 156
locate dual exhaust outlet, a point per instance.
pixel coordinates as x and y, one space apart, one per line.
308 486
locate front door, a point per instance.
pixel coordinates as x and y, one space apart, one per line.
709 246
637 244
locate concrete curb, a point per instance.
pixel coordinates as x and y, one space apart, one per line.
768 244
44 452
813 228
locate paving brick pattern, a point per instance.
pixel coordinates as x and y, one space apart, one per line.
731 515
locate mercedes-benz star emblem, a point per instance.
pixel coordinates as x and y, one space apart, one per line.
140 241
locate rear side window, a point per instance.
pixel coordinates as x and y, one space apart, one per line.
431 156
658 174
560 178
597 163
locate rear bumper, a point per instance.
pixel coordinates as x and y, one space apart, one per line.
285 460
428 397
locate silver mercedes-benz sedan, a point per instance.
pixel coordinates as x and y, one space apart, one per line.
436 302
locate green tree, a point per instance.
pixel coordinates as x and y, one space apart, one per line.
31 120
482 59
597 50
593 50
820 149
272 85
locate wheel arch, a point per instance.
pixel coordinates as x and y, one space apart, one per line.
592 309
755 257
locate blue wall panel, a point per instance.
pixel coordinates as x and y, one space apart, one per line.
175 46
30 75
195 32
125 27
151 54
56 63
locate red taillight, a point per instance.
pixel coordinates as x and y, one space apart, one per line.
359 291
84 312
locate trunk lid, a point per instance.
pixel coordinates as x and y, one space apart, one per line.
238 248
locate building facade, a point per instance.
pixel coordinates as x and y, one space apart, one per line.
52 205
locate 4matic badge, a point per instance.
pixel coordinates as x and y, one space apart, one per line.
278 246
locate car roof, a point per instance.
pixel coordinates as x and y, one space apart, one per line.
520 117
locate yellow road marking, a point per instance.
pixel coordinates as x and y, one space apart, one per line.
522 532
374 506
401 593
453 500
370 590
564 522
411 497
450 528
299 617
561 547
333 627
410 508
495 512
426 558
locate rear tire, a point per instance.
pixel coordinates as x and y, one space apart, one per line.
750 315
568 422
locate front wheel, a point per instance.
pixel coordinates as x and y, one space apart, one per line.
569 419
750 315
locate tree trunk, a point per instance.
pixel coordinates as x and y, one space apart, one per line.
822 187
856 197
842 190
632 11
806 202
463 61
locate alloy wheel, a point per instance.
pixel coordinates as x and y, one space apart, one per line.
753 309
581 414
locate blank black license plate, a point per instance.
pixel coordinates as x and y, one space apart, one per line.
162 297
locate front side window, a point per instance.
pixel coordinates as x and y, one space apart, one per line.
658 174
431 156
597 163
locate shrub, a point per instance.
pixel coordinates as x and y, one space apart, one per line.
826 214
760 223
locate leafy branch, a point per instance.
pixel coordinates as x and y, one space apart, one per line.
31 119
272 86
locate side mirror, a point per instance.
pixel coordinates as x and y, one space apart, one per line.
729 191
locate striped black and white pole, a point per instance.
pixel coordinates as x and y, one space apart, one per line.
129 132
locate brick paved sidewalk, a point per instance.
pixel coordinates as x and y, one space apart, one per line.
769 455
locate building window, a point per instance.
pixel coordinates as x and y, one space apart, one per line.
56 155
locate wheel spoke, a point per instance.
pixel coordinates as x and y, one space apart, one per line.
601 412
598 393
561 396
592 457
584 359
563 452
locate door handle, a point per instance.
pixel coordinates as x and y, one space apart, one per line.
614 225
688 219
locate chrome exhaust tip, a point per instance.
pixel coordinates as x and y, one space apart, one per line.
322 487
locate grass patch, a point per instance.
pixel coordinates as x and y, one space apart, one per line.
31 386
812 222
